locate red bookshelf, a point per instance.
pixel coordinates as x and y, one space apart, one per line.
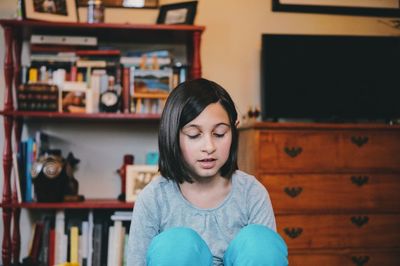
15 31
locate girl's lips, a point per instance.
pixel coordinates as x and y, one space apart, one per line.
207 163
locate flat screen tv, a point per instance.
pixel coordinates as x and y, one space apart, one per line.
330 77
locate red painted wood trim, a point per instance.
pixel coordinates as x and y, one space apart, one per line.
196 68
7 152
116 26
87 204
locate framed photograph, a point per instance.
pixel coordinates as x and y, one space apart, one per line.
74 97
179 13
150 81
137 177
50 10
124 3
378 8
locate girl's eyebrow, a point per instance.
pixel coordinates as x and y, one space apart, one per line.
198 126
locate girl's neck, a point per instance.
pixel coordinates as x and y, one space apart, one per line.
206 195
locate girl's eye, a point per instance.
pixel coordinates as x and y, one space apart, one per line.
219 135
193 136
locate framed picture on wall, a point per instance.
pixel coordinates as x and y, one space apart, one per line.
50 10
379 8
124 3
179 13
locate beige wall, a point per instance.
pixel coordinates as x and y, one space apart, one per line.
232 40
230 56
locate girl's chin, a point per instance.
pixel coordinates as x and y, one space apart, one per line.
205 175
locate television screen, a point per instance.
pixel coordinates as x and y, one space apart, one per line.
330 77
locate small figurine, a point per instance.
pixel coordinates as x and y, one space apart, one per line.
72 185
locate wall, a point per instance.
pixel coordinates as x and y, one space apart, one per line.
230 56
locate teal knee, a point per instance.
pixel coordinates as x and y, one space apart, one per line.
179 246
256 245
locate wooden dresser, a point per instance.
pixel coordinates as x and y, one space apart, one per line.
335 189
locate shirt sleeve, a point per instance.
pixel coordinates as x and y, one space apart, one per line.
260 209
144 226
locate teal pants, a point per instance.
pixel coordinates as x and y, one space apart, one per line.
254 245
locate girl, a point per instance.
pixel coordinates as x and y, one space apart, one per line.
202 210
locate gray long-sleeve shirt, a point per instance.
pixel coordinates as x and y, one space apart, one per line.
161 206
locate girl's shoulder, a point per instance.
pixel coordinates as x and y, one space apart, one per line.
156 184
246 182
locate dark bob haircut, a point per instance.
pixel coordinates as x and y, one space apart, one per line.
183 105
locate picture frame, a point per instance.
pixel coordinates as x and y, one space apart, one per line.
50 10
153 81
378 8
74 97
137 177
178 13
124 3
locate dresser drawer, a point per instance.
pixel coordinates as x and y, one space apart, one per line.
281 151
340 231
326 151
333 192
375 150
346 258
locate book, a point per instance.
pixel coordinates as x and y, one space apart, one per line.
74 244
44 251
121 216
125 90
90 238
33 257
52 250
98 52
84 244
97 245
110 250
16 176
63 40
30 158
21 157
91 63
60 238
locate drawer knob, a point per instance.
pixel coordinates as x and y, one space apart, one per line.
293 232
293 191
359 180
293 151
360 260
359 220
359 141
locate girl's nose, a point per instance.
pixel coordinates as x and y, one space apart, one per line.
208 146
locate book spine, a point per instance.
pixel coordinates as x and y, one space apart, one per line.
63 40
125 90
29 161
52 242
74 244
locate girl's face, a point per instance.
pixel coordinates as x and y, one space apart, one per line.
205 142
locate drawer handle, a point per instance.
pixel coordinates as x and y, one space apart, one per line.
359 141
359 220
293 232
293 151
360 260
359 180
293 191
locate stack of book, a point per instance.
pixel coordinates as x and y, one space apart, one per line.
91 239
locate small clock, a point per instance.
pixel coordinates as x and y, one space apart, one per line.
109 98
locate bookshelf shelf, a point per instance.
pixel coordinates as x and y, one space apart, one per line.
87 204
185 38
84 116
